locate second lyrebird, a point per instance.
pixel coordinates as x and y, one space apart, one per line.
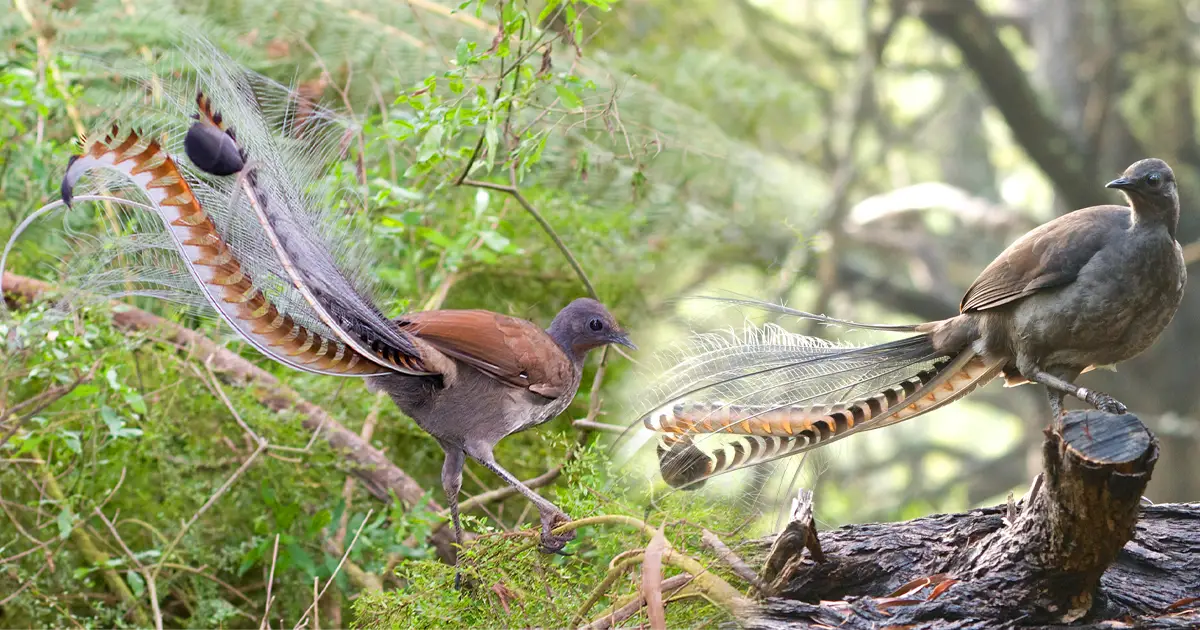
1091 288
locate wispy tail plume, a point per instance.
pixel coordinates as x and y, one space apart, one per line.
245 225
734 401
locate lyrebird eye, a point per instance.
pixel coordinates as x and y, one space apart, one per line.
1154 180
596 325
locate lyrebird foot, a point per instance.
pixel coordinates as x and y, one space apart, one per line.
1102 401
551 542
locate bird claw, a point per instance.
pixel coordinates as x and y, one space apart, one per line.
1105 403
551 542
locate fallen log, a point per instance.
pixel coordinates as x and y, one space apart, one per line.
1080 549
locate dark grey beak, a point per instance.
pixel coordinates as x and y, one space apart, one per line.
623 339
1120 183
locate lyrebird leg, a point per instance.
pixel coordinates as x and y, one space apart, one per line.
1099 400
1056 405
452 485
550 514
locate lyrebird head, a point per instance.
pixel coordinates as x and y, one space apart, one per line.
1149 180
585 325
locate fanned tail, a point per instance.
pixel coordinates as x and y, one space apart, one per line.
248 228
730 403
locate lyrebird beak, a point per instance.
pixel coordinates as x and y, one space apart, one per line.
623 339
1120 183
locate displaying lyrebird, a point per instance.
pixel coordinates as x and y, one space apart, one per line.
1091 288
251 229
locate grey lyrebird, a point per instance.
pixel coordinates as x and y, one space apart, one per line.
1091 288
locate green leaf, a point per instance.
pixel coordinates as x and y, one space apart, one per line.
495 241
136 583
300 558
569 98
546 12
252 557
135 402
66 522
319 521
431 143
71 440
462 53
111 375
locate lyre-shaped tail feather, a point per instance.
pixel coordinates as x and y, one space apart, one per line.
730 404
248 225
306 263
211 262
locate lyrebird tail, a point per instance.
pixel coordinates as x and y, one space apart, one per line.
245 225
729 402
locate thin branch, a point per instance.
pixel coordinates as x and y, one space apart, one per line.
266 618
304 617
151 588
512 190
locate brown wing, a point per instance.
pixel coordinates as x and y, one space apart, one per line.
512 350
1046 257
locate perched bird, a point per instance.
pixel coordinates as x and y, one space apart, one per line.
1091 288
248 229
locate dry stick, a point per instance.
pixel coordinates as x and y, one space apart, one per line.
226 585
151 588
739 566
338 568
316 608
626 608
266 619
26 585
618 567
652 565
713 586
598 426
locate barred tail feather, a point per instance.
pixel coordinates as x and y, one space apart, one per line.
683 464
211 262
731 402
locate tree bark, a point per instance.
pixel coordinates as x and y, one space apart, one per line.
1073 551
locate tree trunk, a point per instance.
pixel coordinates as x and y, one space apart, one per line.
1073 550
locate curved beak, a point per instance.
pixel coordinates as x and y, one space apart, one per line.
623 339
1120 183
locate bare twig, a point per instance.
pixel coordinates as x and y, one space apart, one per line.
151 587
617 567
598 426
304 617
652 580
315 605
517 195
730 558
633 604
266 618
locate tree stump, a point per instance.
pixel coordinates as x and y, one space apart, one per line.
1064 556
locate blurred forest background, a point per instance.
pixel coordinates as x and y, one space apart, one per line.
861 158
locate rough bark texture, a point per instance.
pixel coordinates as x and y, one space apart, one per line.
368 464
1069 554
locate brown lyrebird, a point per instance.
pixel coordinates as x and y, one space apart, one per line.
260 243
1091 288
494 376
